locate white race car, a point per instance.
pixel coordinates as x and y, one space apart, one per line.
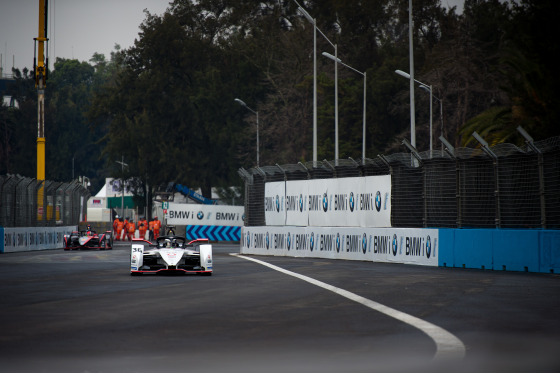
171 254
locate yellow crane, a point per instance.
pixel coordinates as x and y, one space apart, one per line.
40 66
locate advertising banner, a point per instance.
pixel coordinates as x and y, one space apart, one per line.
343 207
296 203
321 200
19 239
374 202
205 215
399 245
344 202
274 198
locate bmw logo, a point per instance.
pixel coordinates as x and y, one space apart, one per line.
364 243
311 241
428 246
248 240
325 202
338 242
395 245
351 201
378 201
243 217
200 215
289 241
267 241
301 203
277 203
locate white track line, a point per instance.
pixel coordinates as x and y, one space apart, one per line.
448 346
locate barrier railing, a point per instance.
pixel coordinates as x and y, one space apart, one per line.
508 187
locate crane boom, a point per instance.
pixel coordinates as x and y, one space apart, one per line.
41 73
40 66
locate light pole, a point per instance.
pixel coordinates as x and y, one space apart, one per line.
312 21
426 88
432 96
122 182
328 55
429 89
440 117
411 64
257 114
315 29
84 181
336 155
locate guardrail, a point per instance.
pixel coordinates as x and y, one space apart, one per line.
27 202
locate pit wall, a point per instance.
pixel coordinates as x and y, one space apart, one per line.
488 249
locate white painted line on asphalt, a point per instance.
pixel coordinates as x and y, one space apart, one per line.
448 346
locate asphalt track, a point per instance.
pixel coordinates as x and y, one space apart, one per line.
81 311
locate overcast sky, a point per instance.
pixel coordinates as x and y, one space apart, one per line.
78 28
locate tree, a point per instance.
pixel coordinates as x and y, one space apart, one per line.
172 101
8 125
71 149
528 76
19 127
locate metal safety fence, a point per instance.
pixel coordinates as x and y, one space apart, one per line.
28 202
502 186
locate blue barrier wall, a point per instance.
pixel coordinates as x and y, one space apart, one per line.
214 233
501 249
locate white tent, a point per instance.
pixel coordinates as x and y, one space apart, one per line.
102 192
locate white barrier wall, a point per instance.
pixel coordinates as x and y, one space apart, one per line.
346 202
204 215
400 245
33 238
